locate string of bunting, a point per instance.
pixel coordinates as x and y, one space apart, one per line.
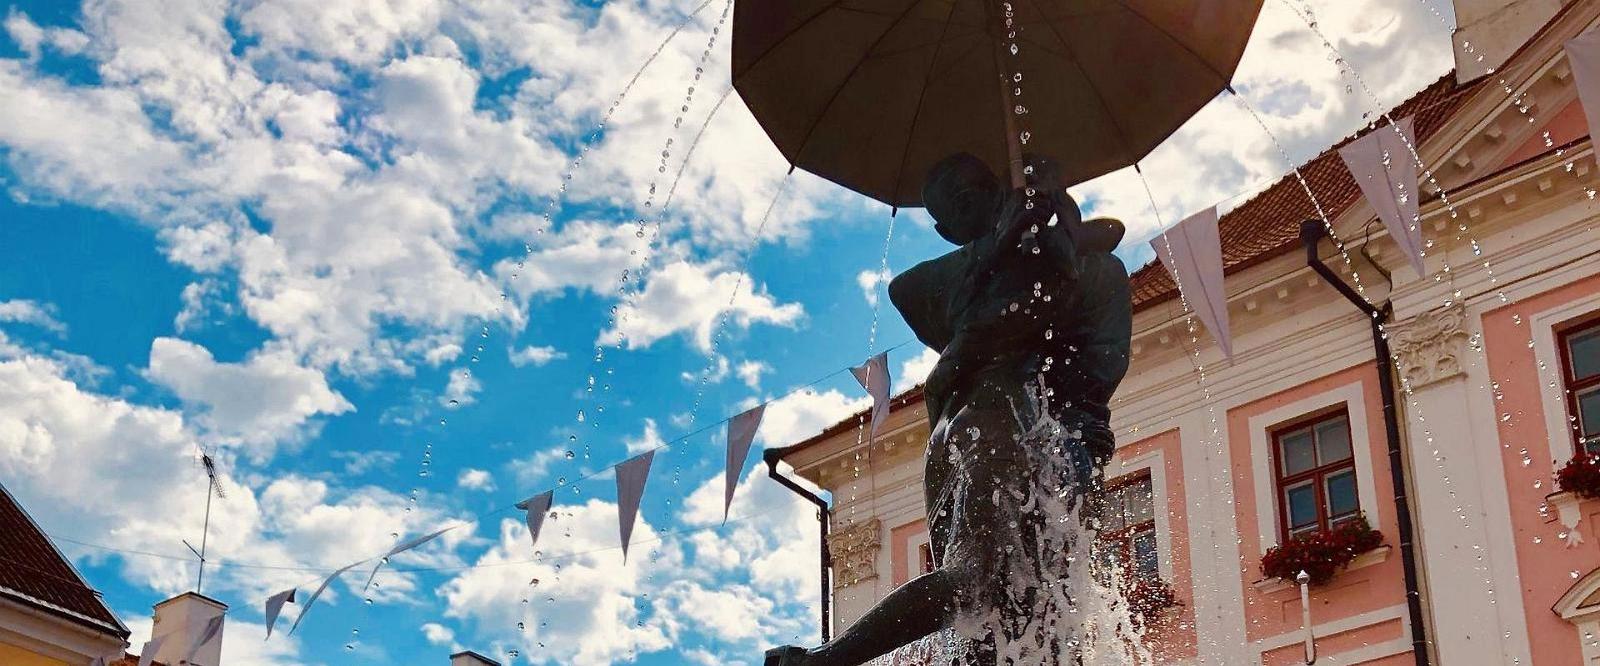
1191 250
632 476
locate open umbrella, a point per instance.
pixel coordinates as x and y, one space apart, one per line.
871 93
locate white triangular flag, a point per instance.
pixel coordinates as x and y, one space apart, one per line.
275 606
314 595
1192 252
874 377
1386 172
213 627
536 506
147 654
631 475
1583 54
403 547
741 432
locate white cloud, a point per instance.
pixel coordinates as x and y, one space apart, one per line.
264 400
750 373
693 298
22 311
438 634
30 37
92 465
535 356
796 416
359 462
475 479
462 389
360 32
767 561
915 369
587 611
713 372
200 299
647 440
870 282
534 468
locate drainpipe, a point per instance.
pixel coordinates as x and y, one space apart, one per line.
1312 231
771 456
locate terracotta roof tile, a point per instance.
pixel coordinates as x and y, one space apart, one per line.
34 573
1269 223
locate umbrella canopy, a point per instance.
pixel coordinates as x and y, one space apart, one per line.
871 93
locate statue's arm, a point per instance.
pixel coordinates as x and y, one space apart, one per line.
922 295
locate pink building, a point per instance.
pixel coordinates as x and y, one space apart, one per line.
1493 379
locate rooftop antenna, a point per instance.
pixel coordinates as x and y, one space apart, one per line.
212 487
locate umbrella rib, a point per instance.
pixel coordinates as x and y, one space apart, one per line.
911 133
848 77
1226 80
1099 98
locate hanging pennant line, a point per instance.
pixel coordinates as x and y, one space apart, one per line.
702 430
561 557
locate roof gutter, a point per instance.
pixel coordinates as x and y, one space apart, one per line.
772 457
1311 232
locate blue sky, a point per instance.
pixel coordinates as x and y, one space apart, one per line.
279 230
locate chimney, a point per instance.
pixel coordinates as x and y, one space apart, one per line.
1495 29
470 658
182 620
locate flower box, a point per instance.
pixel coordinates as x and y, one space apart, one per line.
1147 598
1320 554
1581 476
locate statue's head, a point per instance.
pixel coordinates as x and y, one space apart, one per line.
962 195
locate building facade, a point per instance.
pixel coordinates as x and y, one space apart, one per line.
1495 373
49 614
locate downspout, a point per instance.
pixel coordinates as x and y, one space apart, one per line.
1312 231
772 456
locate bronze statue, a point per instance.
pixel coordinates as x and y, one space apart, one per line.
1031 317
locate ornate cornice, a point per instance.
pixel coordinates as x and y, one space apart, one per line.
854 550
1431 346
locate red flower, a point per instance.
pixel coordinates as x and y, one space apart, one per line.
1321 554
1147 597
1581 475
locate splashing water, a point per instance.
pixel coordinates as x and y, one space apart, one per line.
1040 599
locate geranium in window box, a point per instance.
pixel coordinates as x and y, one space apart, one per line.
1147 597
1581 476
1321 554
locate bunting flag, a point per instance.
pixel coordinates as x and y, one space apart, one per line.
1583 54
874 377
631 476
275 605
314 595
1386 171
147 654
213 628
741 432
1192 252
401 548
537 507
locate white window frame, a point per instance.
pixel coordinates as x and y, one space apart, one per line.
1265 479
1548 357
1155 463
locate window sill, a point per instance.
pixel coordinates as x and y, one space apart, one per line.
1375 556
